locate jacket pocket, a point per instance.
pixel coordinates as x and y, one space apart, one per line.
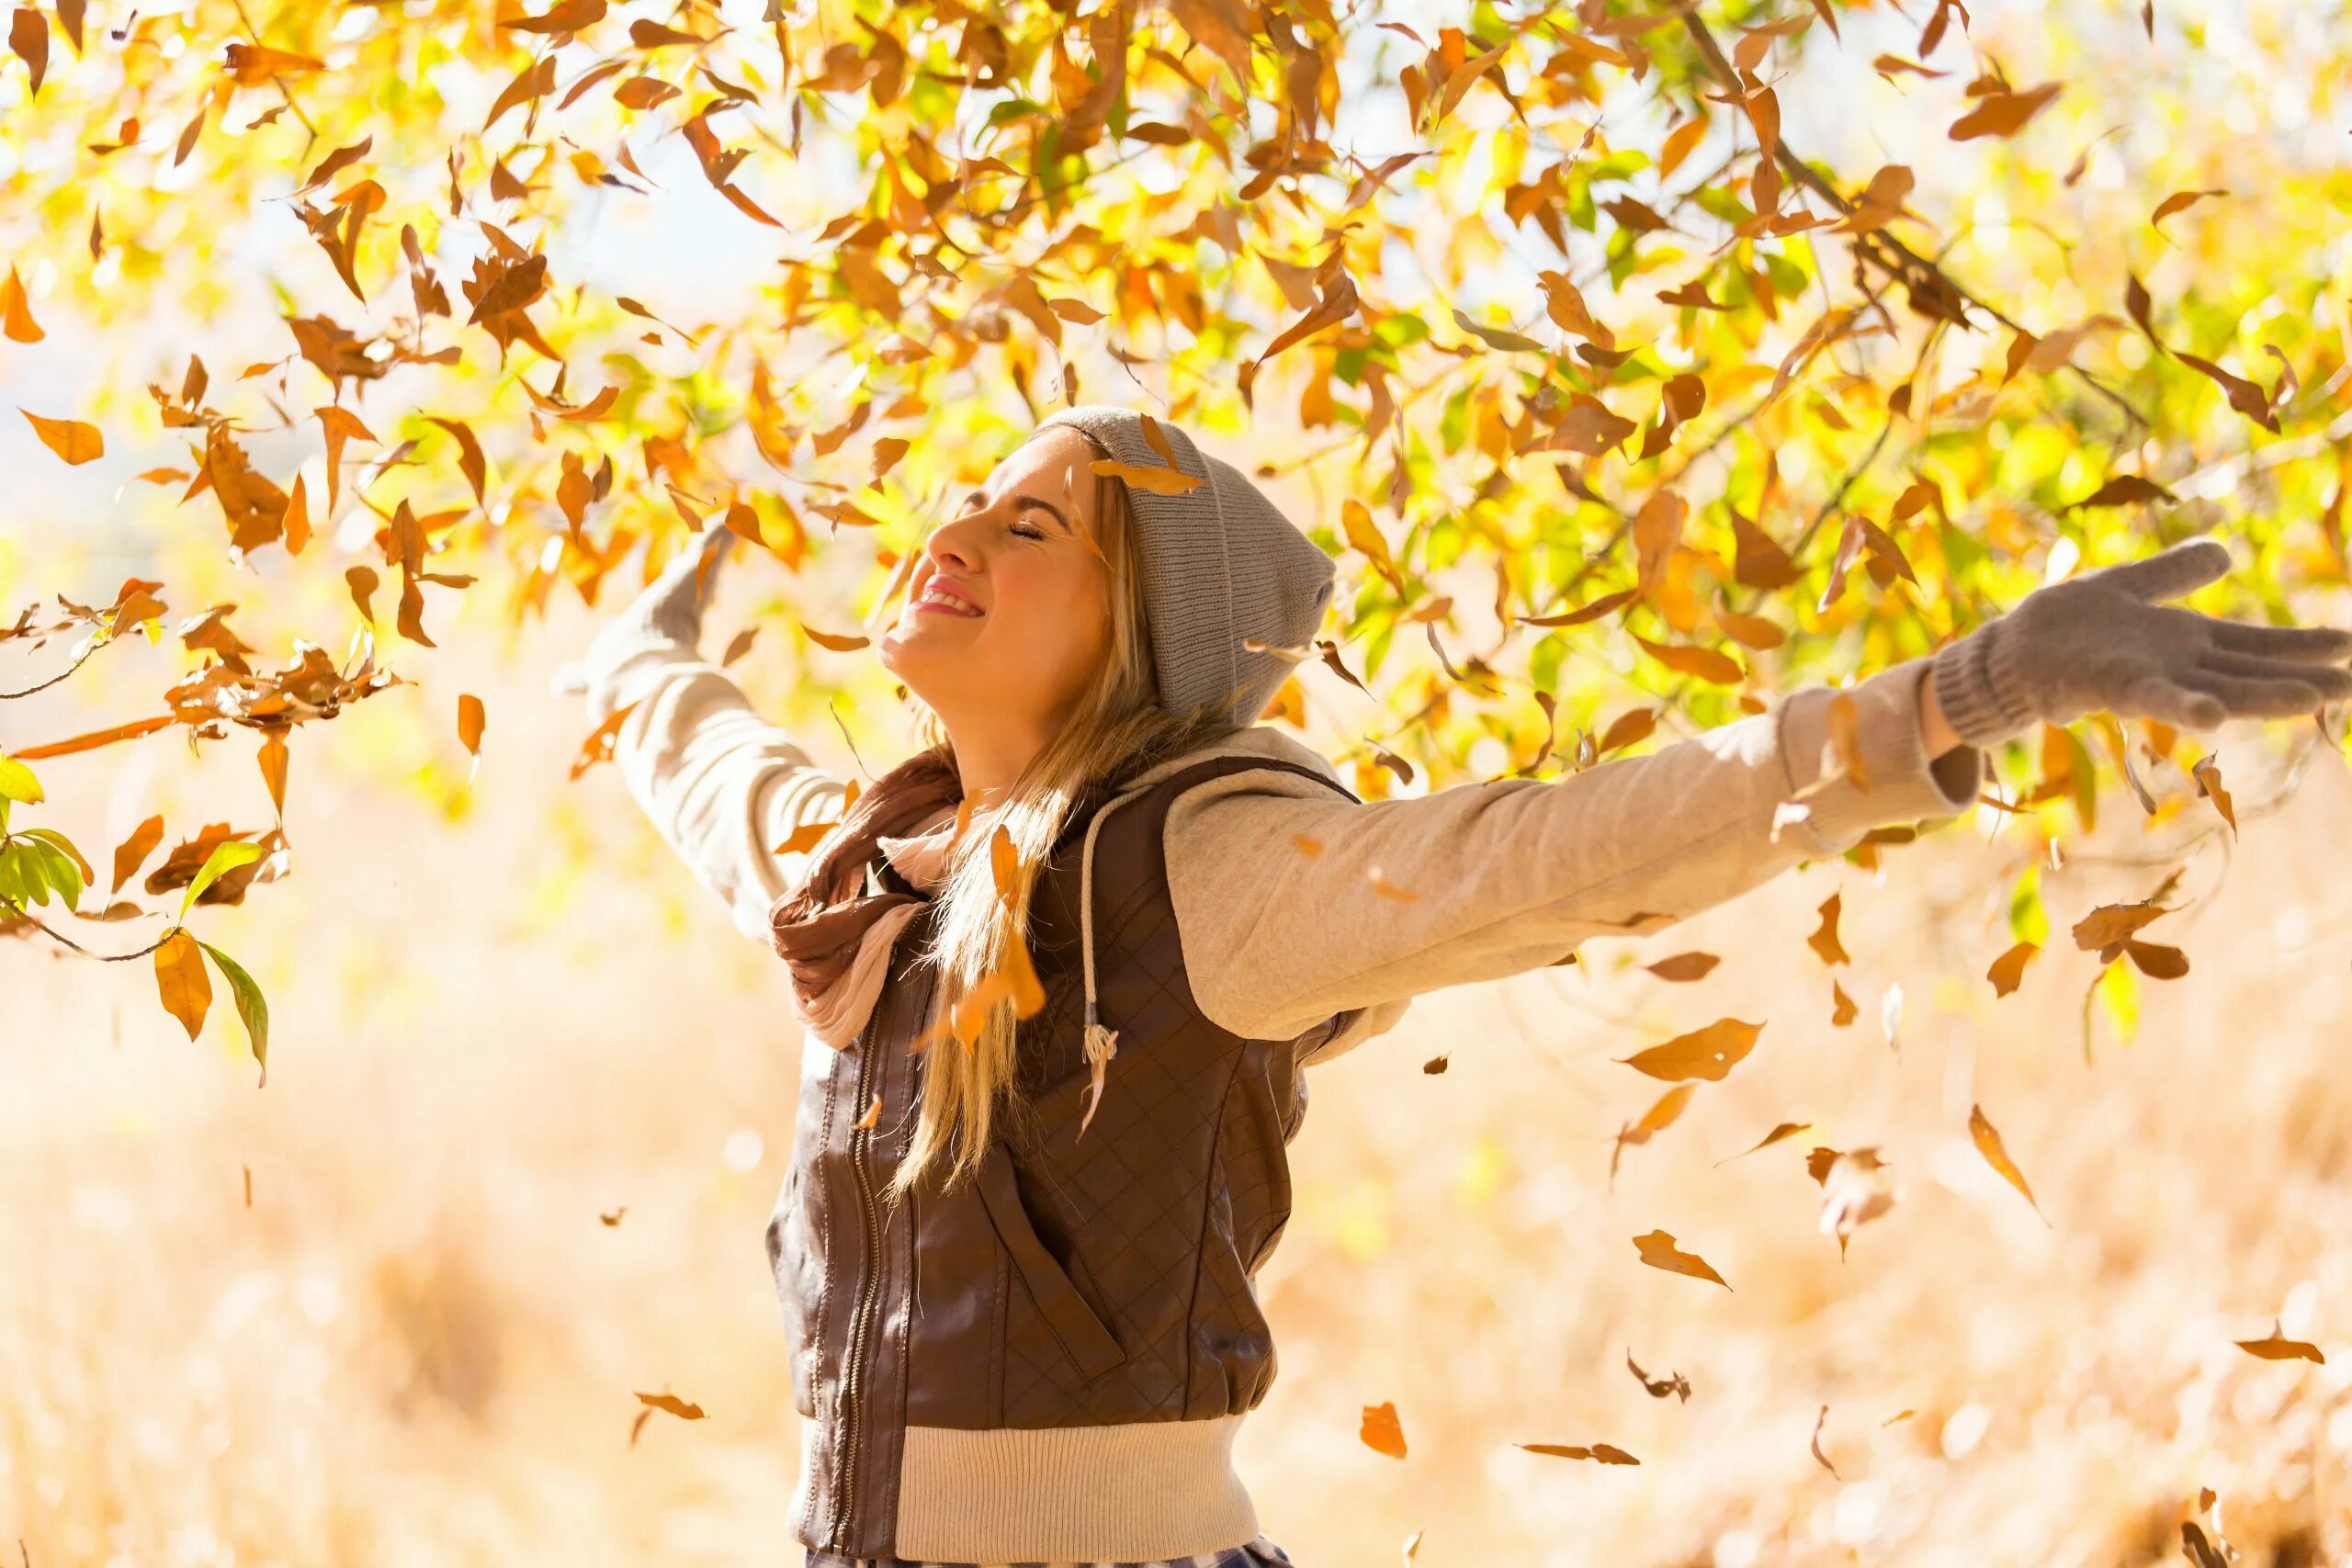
1092 1346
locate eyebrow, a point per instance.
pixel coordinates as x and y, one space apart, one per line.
1038 501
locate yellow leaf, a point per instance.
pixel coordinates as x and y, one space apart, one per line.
16 313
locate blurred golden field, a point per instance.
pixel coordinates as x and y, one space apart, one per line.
419 1344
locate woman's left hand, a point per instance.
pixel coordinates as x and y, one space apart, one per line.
2100 641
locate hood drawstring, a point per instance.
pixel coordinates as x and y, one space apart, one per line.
1101 1043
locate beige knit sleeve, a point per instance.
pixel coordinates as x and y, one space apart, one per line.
1293 904
721 784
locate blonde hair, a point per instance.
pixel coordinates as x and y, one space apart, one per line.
1116 729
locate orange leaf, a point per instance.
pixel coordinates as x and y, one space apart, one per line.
180 979
2008 970
70 438
1381 1430
1988 1143
1710 1053
16 313
1657 1250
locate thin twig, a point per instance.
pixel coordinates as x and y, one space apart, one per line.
11 906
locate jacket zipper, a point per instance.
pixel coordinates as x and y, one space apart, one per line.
869 1290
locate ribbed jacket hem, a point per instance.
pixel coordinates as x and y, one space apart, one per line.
1127 1492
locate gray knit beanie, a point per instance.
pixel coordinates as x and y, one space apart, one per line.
1220 564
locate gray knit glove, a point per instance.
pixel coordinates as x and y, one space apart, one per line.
673 604
2099 642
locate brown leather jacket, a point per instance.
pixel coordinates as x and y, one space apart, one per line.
1051 1362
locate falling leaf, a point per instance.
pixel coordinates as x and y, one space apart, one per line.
1603 1452
2207 772
16 313
1436 1065
1785 1130
1657 1250
1821 1458
2275 1348
1823 940
470 722
1658 1387
132 852
2009 969
1710 1053
598 747
2123 489
1855 1190
1380 1431
613 1217
1656 1119
1988 1143
834 641
1842 1010
671 1404
70 438
872 1115
2176 201
1684 967
2004 113
2157 960
29 39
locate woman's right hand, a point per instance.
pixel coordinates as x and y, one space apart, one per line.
673 602
670 605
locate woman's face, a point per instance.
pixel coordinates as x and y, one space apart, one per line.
1022 550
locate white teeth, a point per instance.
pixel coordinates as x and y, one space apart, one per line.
936 597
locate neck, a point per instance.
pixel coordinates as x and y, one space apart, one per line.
989 760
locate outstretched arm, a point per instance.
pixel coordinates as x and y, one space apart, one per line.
721 784
1295 904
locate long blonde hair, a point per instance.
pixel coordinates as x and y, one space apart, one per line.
1116 728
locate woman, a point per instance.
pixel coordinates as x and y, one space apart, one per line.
1057 1055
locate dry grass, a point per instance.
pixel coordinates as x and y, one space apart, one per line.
417 1345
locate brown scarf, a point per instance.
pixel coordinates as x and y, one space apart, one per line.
836 939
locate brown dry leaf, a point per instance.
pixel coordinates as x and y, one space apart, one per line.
833 640
1818 1454
180 979
2004 113
1988 1143
2106 927
1158 481
872 1116
1603 1452
1658 1387
2275 1348
1679 143
2207 772
613 1218
1657 528
2175 202
1684 967
1380 1431
2123 489
71 439
1436 1065
671 1403
1842 1010
1710 1053
2008 970
1823 940
1705 663
808 836
1635 724
1657 1250
28 39
1656 1119
2157 960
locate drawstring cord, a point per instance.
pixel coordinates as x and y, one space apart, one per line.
1101 1043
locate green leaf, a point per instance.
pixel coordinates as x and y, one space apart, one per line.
72 873
223 858
14 864
56 868
251 1006
17 781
